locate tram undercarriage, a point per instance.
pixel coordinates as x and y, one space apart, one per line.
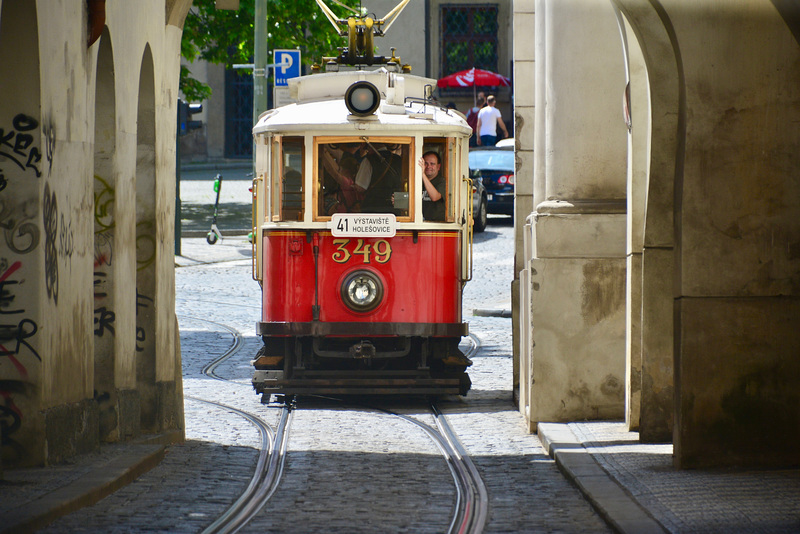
385 365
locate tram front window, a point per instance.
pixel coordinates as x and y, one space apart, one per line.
366 176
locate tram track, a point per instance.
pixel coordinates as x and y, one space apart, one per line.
268 472
470 511
272 455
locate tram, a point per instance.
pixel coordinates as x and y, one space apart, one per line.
362 230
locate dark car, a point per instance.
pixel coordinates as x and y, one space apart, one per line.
496 167
479 201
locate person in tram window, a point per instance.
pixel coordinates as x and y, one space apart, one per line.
386 165
346 178
433 187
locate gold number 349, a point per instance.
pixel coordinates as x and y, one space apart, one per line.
380 251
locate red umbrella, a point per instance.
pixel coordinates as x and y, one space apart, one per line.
472 78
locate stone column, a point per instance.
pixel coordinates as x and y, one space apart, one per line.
577 272
525 23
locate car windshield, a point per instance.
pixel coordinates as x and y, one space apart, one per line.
491 159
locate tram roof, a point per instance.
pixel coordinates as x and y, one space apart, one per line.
320 107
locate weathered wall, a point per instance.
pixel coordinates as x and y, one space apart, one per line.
713 154
71 186
738 277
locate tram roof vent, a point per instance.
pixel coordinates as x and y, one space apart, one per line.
395 95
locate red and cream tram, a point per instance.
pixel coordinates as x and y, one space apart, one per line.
361 266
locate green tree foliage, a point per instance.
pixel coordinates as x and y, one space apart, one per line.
225 36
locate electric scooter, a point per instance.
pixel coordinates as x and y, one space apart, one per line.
214 233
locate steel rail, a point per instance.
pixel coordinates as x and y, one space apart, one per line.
472 501
266 479
477 512
271 460
457 469
238 341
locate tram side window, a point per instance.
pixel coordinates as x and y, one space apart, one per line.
363 177
290 177
435 166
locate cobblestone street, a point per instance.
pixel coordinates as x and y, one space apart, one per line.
347 469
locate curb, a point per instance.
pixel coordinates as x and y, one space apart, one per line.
217 166
103 480
236 232
491 312
615 505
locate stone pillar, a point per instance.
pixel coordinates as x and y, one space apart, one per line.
577 272
524 105
737 341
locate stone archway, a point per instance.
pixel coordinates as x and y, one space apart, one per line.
104 285
146 245
656 146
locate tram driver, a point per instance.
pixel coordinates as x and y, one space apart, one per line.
433 187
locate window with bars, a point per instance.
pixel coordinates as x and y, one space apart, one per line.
238 115
469 37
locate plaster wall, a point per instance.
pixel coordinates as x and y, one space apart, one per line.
584 88
649 330
57 414
572 301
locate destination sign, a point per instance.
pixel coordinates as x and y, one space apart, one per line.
363 225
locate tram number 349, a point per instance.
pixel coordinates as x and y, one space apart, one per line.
380 251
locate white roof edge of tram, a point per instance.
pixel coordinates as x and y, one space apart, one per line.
317 92
334 84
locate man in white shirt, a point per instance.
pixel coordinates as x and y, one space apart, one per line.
489 118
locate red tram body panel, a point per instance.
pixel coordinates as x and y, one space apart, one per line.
419 269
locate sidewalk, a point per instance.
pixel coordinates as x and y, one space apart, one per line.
636 489
32 498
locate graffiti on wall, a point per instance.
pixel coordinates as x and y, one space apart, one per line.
50 217
143 303
21 234
16 333
103 317
103 255
20 159
16 143
10 420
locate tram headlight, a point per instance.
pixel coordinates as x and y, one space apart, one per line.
362 98
362 291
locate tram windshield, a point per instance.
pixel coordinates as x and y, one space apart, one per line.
364 176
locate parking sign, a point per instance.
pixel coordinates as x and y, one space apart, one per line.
287 65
